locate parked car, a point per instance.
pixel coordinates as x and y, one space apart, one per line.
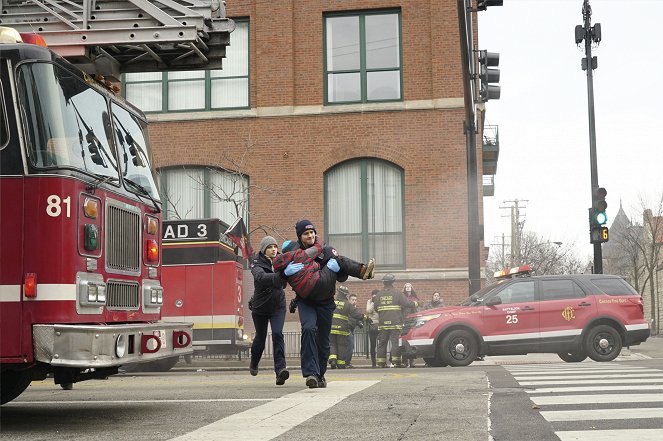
575 316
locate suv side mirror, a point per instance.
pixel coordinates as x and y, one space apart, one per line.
493 301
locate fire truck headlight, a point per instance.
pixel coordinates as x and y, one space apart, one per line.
120 346
424 319
91 293
156 296
101 294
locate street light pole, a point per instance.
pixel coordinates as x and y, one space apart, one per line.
591 35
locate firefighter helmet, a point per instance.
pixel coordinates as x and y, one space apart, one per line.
388 278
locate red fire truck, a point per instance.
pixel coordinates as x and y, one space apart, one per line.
80 222
203 276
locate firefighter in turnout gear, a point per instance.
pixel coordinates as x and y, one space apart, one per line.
389 304
340 329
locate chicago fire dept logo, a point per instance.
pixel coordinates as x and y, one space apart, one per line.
568 313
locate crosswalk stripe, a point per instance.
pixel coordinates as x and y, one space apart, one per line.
596 399
611 435
585 371
592 386
277 417
594 381
602 414
565 366
548 390
588 377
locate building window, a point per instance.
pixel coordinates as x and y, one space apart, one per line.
363 57
364 211
197 89
203 192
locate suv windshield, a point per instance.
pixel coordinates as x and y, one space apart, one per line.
66 120
475 298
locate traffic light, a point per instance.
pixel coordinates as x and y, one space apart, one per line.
482 5
600 206
487 75
598 232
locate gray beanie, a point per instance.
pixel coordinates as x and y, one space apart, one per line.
265 242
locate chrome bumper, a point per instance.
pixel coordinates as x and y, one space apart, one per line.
99 346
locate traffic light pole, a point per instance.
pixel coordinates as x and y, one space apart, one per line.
587 15
473 240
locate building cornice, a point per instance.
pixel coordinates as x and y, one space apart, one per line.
286 111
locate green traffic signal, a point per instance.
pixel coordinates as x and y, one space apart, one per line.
600 205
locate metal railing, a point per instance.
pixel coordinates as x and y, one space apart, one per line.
293 344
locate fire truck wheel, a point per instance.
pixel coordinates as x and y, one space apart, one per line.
435 362
603 343
12 385
572 357
459 348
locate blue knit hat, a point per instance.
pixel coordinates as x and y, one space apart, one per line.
302 226
288 245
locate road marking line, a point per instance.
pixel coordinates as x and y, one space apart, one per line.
583 381
587 377
548 390
265 422
211 400
582 371
596 399
611 435
603 414
564 366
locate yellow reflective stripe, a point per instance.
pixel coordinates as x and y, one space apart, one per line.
389 308
336 332
332 357
341 362
342 317
390 327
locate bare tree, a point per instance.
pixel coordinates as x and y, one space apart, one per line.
542 255
227 182
635 254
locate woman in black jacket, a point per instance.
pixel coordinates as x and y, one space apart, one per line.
268 307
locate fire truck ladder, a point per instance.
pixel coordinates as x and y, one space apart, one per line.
110 37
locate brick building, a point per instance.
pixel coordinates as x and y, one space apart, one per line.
349 114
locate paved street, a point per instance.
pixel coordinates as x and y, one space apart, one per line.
502 398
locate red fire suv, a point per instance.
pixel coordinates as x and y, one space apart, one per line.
574 316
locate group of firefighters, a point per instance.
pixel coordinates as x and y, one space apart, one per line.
386 311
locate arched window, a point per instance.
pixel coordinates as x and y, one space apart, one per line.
194 192
364 211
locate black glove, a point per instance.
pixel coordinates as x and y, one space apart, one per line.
251 304
293 305
360 325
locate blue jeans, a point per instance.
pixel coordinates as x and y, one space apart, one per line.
260 322
316 319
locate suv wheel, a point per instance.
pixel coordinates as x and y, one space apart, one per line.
572 357
603 343
459 348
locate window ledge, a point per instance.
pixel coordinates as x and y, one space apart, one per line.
267 112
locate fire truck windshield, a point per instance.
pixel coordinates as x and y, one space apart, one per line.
132 144
68 127
66 121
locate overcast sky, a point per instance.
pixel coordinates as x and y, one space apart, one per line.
543 120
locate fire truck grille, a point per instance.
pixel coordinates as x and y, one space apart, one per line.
122 295
122 239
